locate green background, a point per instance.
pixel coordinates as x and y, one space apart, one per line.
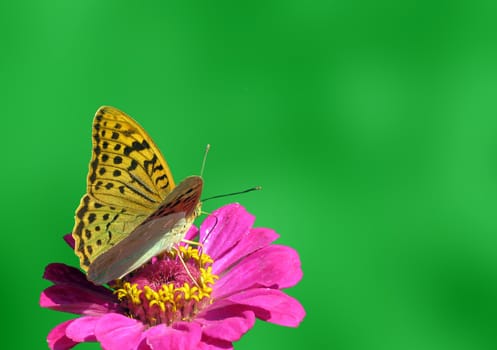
371 126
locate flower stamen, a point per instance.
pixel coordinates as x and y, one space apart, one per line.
172 287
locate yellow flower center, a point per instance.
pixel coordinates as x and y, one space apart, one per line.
174 287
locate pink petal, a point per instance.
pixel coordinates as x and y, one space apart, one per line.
256 239
115 331
69 298
209 343
228 323
224 228
63 274
180 336
271 305
191 233
143 345
69 240
83 329
274 267
57 339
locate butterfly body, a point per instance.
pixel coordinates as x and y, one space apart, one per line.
132 209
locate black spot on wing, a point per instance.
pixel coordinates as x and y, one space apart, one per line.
160 178
157 168
84 208
107 227
85 261
128 133
136 146
133 165
91 217
150 163
93 169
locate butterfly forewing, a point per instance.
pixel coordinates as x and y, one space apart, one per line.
126 163
128 179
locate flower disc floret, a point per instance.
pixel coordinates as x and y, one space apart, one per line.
173 287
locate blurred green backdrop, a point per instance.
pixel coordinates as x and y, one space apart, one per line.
371 126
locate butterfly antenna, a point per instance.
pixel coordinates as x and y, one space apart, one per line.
207 148
256 188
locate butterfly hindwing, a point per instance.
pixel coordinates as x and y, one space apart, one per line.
158 233
98 226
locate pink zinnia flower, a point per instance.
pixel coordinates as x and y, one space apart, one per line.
239 276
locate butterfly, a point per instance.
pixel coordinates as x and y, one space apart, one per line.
132 210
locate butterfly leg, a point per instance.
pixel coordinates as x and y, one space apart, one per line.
186 267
